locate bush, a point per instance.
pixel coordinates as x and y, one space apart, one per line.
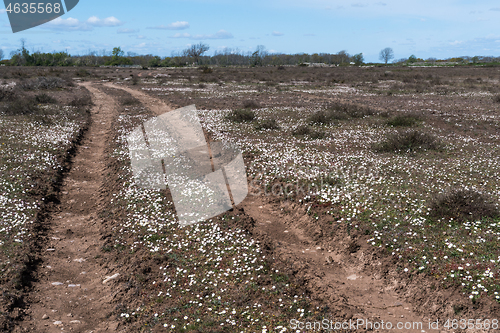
496 99
344 111
462 205
43 82
407 141
130 101
251 104
321 117
403 120
306 130
43 98
7 94
241 115
302 130
267 124
22 106
135 80
206 69
81 101
82 73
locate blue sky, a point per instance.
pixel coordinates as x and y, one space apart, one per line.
425 28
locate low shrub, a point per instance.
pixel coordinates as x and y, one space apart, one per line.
405 120
81 101
267 124
206 69
7 94
241 115
305 130
408 141
43 82
251 104
462 205
496 99
343 111
130 101
43 98
21 106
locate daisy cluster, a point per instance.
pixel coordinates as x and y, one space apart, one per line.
206 267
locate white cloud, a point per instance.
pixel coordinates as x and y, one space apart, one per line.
221 34
495 9
107 22
75 24
179 25
277 33
457 42
181 35
358 4
127 31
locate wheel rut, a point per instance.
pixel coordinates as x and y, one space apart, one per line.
69 293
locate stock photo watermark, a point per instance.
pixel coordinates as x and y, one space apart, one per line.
204 179
25 15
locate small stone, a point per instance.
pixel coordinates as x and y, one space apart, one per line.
69 315
109 278
51 250
45 317
73 285
75 322
58 323
57 283
79 260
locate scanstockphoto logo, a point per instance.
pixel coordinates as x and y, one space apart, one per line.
24 15
204 179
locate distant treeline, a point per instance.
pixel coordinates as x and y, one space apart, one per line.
228 57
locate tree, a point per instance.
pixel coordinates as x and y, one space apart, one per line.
358 59
196 51
386 55
1 54
117 52
412 59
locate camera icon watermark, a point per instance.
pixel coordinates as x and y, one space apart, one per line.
204 179
24 14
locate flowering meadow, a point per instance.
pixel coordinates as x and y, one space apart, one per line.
388 195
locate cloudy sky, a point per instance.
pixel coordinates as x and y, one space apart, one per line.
425 28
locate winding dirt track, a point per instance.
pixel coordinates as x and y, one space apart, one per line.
71 294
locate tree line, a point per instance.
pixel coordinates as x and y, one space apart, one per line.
196 55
